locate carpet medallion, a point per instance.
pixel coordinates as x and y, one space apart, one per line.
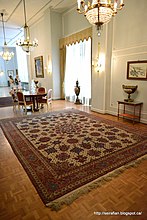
65 151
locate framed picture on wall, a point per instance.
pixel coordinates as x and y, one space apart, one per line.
137 70
39 70
10 73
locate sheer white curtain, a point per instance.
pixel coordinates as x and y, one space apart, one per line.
78 67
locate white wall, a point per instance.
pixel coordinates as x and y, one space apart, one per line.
123 39
48 32
56 30
129 44
98 78
42 31
73 22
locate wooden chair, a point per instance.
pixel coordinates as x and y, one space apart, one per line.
41 90
14 98
47 99
22 102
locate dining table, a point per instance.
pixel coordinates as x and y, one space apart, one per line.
33 96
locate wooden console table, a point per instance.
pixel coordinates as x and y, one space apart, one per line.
132 116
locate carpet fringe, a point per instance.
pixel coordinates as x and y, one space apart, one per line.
72 196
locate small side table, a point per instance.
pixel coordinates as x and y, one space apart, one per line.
132 116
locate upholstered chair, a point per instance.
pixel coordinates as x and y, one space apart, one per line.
41 90
47 99
14 98
22 102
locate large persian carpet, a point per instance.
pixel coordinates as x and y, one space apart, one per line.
70 152
5 102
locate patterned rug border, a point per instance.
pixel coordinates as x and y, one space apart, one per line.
71 196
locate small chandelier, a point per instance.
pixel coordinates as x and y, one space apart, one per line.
99 12
26 44
5 54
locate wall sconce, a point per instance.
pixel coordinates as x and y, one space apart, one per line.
49 69
49 66
97 63
1 72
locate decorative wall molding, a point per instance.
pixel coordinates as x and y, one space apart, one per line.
138 50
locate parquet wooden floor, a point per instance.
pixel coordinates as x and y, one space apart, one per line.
20 201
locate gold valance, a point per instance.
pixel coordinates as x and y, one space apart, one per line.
85 34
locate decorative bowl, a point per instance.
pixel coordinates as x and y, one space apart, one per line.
129 90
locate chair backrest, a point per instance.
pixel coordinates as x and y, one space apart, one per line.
20 97
49 94
41 90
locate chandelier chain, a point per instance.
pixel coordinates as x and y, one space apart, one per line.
2 14
25 12
26 43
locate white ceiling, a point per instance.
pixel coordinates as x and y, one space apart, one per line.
14 15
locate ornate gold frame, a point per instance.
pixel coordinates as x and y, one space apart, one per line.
39 70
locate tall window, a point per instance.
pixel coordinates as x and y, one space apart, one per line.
22 65
78 67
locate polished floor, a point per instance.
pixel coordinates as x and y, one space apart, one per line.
4 91
123 195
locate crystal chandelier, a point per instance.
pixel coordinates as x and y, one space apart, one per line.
5 54
99 12
26 44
